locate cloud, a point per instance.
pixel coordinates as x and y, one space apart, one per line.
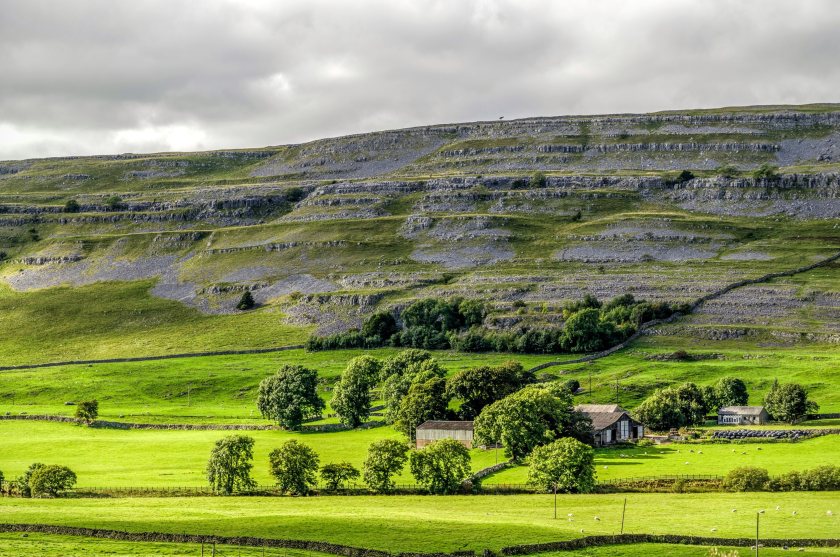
104 77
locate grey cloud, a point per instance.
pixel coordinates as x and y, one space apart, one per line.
103 76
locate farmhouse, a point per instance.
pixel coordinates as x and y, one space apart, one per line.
611 423
742 415
434 430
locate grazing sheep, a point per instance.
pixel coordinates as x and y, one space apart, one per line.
597 519
778 508
794 513
714 529
829 513
734 510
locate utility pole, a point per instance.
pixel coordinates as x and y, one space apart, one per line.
616 393
555 500
590 383
757 515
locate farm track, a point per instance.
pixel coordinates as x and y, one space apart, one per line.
351 551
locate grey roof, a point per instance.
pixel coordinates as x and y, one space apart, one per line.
448 425
742 410
589 408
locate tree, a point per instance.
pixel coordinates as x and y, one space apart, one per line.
584 331
229 467
351 398
396 387
442 466
23 481
730 391
426 400
472 312
72 206
246 301
673 407
478 387
538 180
789 403
565 463
380 325
337 475
51 480
526 419
87 411
400 363
290 396
114 203
294 466
385 459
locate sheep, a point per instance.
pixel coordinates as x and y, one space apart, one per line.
597 519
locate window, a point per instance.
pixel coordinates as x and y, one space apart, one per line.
623 429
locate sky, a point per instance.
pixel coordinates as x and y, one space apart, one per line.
107 76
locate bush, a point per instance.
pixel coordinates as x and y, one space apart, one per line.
766 172
87 411
822 478
114 203
442 466
51 480
336 476
380 325
72 206
789 481
538 180
573 385
294 466
746 478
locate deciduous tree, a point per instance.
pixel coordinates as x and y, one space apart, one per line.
385 459
290 396
229 467
294 466
441 466
565 463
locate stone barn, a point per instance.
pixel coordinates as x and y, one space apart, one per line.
611 424
434 430
742 415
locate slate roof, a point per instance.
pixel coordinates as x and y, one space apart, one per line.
588 408
742 410
447 425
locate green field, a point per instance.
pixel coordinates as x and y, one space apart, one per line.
680 458
154 458
223 388
44 545
418 523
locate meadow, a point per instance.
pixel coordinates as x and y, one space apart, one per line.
428 523
45 545
177 458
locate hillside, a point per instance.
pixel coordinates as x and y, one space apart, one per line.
148 254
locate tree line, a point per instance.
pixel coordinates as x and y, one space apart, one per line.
435 323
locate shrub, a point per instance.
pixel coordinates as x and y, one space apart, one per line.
746 478
87 411
442 466
822 478
51 480
294 467
538 180
380 325
385 459
246 301
766 172
566 463
337 475
114 203
229 467
573 385
789 481
72 206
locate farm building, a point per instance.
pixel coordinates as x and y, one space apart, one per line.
611 423
742 415
434 430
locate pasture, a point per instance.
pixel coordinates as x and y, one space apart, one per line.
427 523
177 458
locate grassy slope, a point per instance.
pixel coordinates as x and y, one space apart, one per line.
444 523
143 458
122 320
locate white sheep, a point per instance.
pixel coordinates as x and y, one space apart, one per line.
597 519
714 529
